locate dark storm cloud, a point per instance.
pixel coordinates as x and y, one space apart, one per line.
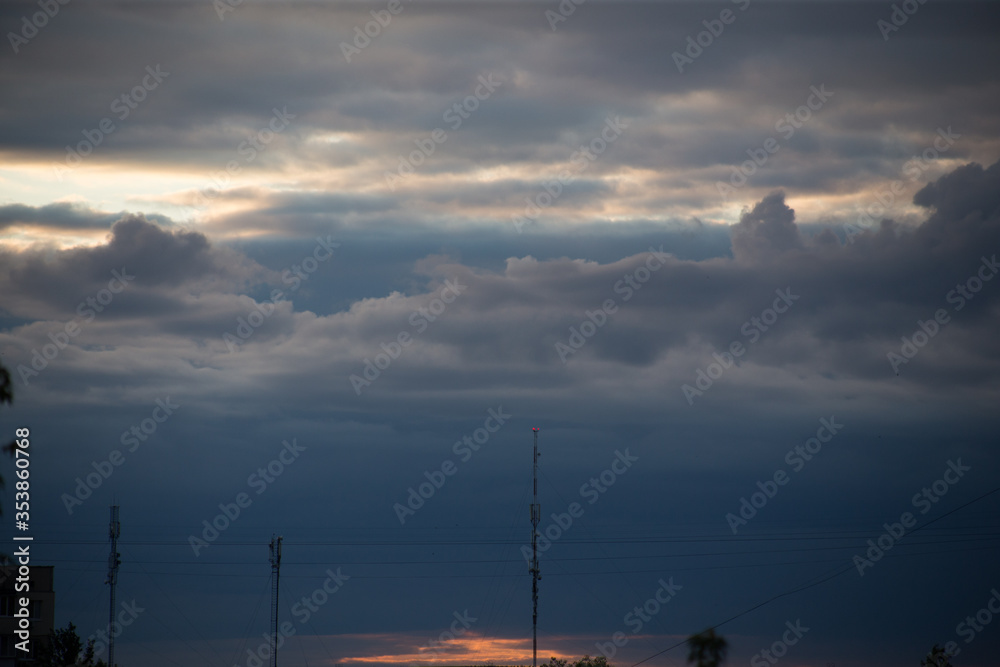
51 283
401 85
852 303
856 300
967 197
767 229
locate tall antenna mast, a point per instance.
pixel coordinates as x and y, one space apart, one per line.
536 515
114 560
275 575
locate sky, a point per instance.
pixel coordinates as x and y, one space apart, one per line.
317 271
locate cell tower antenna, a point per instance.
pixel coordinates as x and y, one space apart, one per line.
275 575
114 560
536 575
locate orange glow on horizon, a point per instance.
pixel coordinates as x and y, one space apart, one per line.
468 650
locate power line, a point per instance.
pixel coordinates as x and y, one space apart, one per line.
823 578
780 537
699 554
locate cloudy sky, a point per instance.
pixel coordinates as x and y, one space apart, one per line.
317 269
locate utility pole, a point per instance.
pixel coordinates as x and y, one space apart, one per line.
114 560
536 515
275 575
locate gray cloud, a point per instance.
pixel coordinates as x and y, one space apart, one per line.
856 300
769 228
196 323
64 215
49 283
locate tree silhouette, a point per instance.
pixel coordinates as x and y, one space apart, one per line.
64 648
938 657
6 396
707 649
585 661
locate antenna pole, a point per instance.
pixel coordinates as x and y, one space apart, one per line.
114 560
275 575
536 515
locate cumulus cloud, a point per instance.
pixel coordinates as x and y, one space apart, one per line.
766 230
853 302
968 196
44 282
